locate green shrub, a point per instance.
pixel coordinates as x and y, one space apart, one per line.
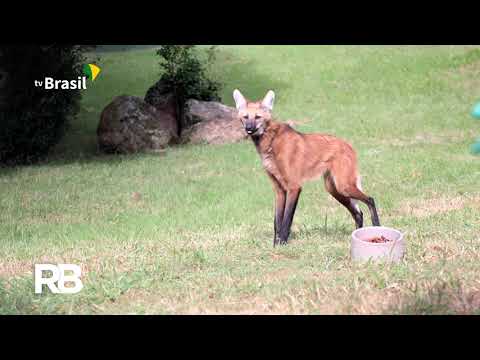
186 74
33 119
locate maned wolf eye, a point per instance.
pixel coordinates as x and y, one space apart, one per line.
257 117
246 117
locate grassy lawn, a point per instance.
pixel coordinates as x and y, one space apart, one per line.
199 238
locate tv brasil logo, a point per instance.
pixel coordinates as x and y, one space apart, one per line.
91 72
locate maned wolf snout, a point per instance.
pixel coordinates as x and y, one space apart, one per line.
291 158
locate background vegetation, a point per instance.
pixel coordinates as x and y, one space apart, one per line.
191 231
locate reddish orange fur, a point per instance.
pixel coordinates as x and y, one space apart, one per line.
292 158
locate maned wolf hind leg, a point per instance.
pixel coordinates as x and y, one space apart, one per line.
347 183
369 201
350 204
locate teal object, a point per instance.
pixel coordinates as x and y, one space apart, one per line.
476 111
475 148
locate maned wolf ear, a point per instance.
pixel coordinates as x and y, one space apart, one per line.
268 100
240 101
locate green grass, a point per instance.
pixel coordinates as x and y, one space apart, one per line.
199 240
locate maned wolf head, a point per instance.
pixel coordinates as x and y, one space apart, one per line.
255 116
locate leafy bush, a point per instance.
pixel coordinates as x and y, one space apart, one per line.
33 119
187 75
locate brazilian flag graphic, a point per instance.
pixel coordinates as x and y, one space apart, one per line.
91 71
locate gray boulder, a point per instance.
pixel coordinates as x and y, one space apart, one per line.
160 97
213 123
128 124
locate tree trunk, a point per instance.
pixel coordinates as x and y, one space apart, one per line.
180 104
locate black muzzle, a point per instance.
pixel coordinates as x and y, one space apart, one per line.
250 127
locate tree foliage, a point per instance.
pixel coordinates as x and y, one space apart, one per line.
186 74
34 119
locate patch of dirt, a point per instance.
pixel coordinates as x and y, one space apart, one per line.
15 268
427 207
279 256
438 298
426 297
52 218
435 253
450 137
464 77
120 259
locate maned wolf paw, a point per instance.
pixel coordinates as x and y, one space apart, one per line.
277 240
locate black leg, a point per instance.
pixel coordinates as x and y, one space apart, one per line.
357 214
373 211
280 197
359 219
351 207
290 207
349 203
357 194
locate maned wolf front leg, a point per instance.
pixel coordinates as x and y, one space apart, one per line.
280 198
291 205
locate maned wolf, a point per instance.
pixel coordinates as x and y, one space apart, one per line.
291 158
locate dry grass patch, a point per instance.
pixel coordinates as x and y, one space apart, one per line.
446 137
422 208
119 259
465 77
438 297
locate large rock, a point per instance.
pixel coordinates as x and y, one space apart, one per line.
128 124
160 97
214 123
